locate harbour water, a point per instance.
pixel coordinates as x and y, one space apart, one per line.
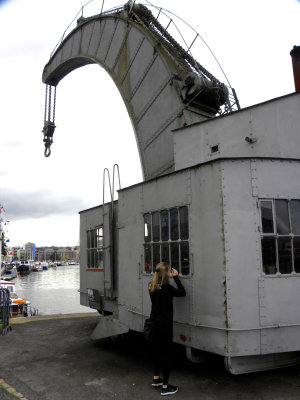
54 291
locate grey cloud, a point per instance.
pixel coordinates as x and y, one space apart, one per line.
39 204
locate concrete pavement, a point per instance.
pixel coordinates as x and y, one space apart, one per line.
55 359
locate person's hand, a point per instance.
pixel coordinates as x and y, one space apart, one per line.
174 272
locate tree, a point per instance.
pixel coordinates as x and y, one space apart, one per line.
54 256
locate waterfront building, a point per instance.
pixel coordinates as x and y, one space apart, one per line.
29 251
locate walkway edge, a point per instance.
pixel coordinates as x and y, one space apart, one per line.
25 320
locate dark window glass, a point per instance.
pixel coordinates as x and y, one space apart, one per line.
164 220
165 253
174 223
184 223
297 254
89 258
89 239
147 220
267 216
295 216
282 217
94 258
175 255
148 259
156 254
184 255
285 255
99 259
155 226
94 238
268 247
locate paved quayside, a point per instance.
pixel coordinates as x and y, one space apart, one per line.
54 358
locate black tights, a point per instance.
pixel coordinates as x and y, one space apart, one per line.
162 350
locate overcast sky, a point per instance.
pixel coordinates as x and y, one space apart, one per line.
42 196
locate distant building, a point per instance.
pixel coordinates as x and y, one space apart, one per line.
29 251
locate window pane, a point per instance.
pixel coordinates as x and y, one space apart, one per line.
148 258
267 216
99 238
89 259
155 227
268 248
156 254
94 258
297 254
295 216
88 239
184 223
175 256
100 259
164 220
184 255
174 223
285 255
165 253
94 238
147 220
282 217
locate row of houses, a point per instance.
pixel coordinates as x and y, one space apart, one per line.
29 251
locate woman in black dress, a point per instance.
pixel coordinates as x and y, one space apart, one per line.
162 293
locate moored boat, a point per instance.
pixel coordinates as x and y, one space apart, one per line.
44 265
62 264
19 307
10 274
37 268
26 267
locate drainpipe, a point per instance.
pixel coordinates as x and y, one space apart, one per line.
295 53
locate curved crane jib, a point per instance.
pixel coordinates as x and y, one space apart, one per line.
154 76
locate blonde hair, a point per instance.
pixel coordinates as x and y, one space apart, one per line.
160 276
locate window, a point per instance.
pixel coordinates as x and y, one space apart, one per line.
167 239
280 236
95 248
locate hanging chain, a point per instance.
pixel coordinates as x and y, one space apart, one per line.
54 104
49 125
49 104
46 95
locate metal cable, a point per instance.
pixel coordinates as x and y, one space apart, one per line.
49 103
46 98
54 104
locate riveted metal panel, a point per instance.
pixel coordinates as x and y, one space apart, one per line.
130 232
107 35
116 43
278 178
76 42
206 229
134 59
241 243
165 193
95 38
87 31
67 49
152 80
